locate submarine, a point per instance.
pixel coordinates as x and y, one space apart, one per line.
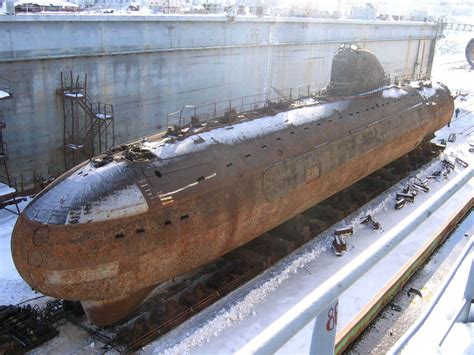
108 231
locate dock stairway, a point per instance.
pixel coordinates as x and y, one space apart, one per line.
88 125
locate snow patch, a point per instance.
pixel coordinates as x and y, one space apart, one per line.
75 95
103 116
6 190
127 202
4 94
394 93
427 92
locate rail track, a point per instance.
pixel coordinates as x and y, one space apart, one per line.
176 300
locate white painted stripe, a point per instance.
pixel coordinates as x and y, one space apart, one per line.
77 276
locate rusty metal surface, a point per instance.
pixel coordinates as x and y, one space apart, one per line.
83 239
178 299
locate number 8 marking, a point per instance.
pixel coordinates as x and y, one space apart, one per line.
332 317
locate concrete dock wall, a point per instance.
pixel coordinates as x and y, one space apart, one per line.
147 66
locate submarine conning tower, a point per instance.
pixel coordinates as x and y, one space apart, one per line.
355 71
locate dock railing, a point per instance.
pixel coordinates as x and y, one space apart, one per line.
319 90
214 110
320 306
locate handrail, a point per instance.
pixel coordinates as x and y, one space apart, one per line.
214 110
402 342
209 111
319 300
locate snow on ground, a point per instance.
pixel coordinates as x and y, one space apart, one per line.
12 287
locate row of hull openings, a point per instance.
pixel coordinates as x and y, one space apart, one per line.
279 151
141 231
278 180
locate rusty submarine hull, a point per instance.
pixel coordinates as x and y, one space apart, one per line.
109 230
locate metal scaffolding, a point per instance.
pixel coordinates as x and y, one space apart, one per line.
88 125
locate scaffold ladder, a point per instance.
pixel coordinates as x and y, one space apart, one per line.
88 125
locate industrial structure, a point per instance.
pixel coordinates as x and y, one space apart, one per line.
88 126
